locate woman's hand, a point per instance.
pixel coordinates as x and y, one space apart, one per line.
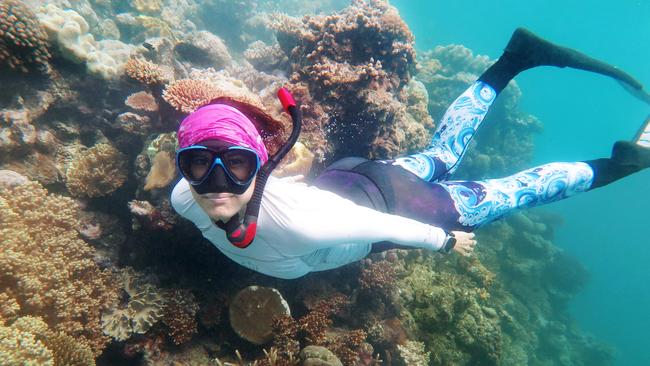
465 243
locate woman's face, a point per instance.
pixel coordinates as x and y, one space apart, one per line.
223 206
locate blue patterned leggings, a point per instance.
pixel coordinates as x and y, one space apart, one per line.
479 202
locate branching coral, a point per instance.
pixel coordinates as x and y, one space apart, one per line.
23 43
378 276
179 315
47 268
187 95
97 171
145 72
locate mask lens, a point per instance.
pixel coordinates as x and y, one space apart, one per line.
195 163
242 164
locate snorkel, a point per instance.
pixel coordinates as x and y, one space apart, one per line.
241 233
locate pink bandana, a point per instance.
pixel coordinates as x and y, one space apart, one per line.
221 122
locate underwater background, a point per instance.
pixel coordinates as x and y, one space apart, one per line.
583 114
97 268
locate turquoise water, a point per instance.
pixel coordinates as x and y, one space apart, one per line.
583 114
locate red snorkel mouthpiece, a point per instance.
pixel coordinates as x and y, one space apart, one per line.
241 234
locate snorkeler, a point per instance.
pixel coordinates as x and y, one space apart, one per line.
358 206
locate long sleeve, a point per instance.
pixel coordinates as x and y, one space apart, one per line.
322 219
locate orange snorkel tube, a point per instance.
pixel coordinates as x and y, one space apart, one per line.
241 233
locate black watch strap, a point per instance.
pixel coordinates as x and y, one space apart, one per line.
450 243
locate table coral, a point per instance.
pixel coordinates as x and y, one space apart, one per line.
96 171
48 268
23 43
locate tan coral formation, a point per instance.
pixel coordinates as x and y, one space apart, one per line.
145 72
47 269
252 311
180 315
142 101
70 32
143 308
355 64
23 43
96 171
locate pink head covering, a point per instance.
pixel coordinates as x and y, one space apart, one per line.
221 122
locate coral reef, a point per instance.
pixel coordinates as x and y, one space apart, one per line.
188 95
505 143
144 307
142 101
96 171
355 64
47 269
82 129
71 33
252 311
179 315
23 43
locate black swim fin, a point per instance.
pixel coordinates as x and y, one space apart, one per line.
631 154
526 50
536 51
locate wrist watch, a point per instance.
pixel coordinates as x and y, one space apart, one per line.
450 243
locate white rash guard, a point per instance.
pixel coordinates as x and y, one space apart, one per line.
302 228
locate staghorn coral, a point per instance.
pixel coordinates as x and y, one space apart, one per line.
23 43
143 308
179 315
95 172
47 268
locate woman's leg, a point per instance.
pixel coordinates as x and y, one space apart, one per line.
483 201
463 118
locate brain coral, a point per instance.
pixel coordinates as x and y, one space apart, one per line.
48 271
96 172
22 41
